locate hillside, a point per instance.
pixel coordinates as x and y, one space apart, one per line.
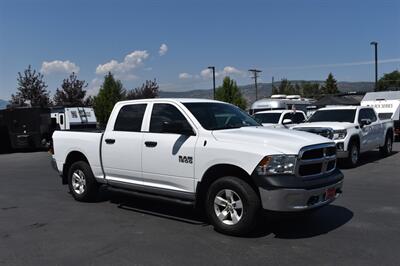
3 104
264 90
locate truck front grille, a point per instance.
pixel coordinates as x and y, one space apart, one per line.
316 160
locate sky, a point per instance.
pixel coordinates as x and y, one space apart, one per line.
175 41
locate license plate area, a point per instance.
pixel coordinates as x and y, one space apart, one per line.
330 193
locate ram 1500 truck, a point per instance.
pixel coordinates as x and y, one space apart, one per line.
355 129
203 152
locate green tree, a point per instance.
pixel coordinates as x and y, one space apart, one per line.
149 89
109 94
31 89
229 92
72 92
389 81
310 90
330 86
285 87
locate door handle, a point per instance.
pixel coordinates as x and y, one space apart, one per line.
150 144
110 141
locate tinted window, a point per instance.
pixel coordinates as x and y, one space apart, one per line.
215 116
296 118
384 116
165 113
344 115
268 118
366 114
130 118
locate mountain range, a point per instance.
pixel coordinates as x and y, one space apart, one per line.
265 89
3 104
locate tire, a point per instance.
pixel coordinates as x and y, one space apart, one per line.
354 154
386 149
82 183
235 202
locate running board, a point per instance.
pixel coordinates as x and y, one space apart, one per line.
144 194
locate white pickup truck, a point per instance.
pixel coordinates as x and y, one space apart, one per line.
203 152
280 118
355 129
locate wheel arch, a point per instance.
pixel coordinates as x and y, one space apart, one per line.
218 171
72 157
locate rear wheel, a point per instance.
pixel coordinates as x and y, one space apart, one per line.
386 149
354 154
232 206
82 183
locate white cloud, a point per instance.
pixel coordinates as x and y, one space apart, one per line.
58 66
94 86
163 49
185 76
228 70
122 69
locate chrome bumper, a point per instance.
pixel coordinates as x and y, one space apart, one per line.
289 200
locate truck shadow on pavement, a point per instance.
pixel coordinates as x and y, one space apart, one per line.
280 225
367 158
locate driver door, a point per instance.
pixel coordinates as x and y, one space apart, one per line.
367 134
168 158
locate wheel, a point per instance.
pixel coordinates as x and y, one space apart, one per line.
354 154
386 149
82 183
232 206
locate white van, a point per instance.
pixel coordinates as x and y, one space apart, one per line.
73 117
386 104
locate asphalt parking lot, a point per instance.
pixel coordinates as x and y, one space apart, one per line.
40 224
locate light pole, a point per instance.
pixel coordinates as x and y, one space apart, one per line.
255 76
213 71
376 64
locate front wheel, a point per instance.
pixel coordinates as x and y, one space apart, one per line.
82 183
354 154
386 149
232 206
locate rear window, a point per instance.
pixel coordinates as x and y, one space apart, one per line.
130 118
268 118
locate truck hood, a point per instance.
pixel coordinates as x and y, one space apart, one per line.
333 125
274 140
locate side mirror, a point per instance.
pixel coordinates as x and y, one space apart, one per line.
177 128
365 122
287 121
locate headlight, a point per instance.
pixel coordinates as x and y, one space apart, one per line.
277 164
339 134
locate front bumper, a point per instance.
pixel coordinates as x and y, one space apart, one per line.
289 200
291 193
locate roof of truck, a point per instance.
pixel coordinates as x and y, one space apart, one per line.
181 100
341 107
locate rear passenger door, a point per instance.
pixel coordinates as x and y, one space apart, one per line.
122 145
167 157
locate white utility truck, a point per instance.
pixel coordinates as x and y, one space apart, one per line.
387 105
355 129
67 118
280 118
203 152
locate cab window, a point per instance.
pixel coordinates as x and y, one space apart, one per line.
296 118
130 118
164 114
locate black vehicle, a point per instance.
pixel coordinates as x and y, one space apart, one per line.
25 128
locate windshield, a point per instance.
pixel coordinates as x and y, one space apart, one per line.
345 115
215 116
268 118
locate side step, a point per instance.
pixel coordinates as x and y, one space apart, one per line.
143 194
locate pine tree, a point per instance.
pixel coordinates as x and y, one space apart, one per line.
389 81
229 92
330 86
72 92
109 94
31 89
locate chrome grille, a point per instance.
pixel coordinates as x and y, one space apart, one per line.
316 160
